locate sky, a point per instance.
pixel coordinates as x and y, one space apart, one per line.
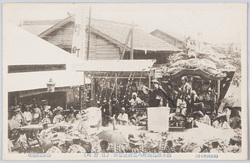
219 23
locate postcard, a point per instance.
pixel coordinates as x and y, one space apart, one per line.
125 81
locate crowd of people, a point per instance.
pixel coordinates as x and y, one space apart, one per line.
70 130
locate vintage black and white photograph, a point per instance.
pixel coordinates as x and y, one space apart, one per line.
124 81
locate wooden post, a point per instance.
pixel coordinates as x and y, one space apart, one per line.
92 100
89 33
149 80
131 48
80 97
116 86
218 90
66 94
80 92
16 98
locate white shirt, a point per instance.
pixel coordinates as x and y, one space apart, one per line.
123 117
27 116
135 102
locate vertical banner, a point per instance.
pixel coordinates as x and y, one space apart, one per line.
78 43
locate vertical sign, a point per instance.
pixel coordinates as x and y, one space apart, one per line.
78 43
158 119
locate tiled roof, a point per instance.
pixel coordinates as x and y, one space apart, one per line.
141 39
116 32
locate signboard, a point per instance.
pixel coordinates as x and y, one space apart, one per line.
78 45
158 119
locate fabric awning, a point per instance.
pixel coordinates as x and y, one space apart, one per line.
38 80
122 68
116 66
22 48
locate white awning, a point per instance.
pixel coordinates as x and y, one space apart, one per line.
24 48
116 66
38 80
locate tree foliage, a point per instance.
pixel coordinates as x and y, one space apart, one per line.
233 57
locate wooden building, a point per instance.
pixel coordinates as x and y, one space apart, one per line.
107 40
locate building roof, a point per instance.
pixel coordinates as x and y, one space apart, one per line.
24 48
40 25
174 35
141 39
117 34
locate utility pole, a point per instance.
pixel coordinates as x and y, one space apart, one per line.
131 47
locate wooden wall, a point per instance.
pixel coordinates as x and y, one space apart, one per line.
62 37
100 48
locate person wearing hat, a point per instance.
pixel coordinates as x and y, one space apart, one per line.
58 117
19 115
105 113
201 117
45 108
185 89
122 117
70 118
157 97
36 113
221 122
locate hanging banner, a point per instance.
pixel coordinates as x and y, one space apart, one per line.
78 43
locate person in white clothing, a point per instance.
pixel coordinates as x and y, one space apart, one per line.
122 117
135 100
27 115
221 122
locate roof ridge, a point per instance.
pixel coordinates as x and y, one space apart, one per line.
41 22
114 22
